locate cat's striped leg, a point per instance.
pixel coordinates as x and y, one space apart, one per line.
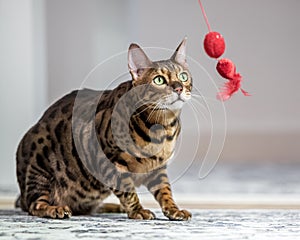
37 196
132 206
158 184
130 201
42 208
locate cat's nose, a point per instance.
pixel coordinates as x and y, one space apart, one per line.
177 87
178 90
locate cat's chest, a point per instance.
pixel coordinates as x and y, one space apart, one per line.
159 141
144 156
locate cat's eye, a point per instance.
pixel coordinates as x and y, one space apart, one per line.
159 80
183 77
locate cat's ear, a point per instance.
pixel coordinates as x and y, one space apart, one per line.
137 61
179 55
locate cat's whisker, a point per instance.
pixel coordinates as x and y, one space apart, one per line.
200 104
142 102
206 107
165 117
150 114
197 111
153 110
150 104
206 99
146 108
200 114
158 116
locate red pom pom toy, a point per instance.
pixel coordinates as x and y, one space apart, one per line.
214 46
226 68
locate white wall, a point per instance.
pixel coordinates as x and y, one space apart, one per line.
80 35
22 77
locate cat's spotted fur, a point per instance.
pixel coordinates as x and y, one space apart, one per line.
72 158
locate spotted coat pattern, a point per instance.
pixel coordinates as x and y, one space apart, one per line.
90 144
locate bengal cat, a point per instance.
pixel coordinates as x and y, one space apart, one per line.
91 143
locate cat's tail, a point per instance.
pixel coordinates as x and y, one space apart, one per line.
110 208
18 202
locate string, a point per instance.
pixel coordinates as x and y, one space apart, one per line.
204 15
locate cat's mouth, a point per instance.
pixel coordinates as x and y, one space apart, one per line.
178 99
174 104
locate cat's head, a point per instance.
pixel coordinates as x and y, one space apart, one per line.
169 81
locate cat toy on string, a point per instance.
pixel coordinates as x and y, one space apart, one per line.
214 46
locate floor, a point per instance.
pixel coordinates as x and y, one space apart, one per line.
205 224
233 202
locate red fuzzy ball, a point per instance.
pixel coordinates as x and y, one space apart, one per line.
214 44
226 68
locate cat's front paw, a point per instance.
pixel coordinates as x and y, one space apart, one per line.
44 210
176 214
142 214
